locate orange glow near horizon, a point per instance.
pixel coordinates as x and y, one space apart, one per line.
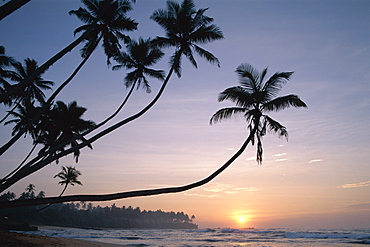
241 219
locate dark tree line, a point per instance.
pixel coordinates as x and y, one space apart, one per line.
85 215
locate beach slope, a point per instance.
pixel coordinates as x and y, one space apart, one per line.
13 239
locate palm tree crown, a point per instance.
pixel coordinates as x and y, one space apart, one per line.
185 28
139 56
111 19
255 97
64 122
35 89
68 176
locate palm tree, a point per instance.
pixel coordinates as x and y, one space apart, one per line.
23 115
139 56
109 24
185 28
254 98
33 91
106 19
63 124
69 176
89 33
30 191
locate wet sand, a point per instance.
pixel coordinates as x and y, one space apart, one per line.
13 239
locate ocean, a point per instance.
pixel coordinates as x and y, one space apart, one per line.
276 237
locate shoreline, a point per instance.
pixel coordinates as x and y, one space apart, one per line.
15 239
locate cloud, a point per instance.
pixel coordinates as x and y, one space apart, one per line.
279 155
278 160
355 185
251 158
314 161
229 189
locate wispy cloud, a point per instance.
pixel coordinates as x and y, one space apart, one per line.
314 161
279 155
229 189
355 185
279 160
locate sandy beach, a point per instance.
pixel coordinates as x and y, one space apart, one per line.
13 239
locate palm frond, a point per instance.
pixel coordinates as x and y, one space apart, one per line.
248 77
226 113
284 102
275 83
238 95
275 127
207 55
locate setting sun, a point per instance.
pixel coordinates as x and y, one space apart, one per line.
241 219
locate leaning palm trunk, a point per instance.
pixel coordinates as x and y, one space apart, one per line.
15 138
114 114
10 7
21 164
130 194
17 103
44 159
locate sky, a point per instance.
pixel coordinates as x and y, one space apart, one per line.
320 178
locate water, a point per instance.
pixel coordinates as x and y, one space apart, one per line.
217 237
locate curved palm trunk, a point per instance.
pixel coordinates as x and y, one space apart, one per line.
20 165
15 138
64 189
130 194
10 7
114 114
9 112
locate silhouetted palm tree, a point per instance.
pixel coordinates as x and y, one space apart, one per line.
63 124
190 28
106 19
30 191
185 28
97 20
23 114
139 56
254 98
69 176
110 24
33 91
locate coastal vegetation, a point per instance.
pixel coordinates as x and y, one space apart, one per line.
58 129
86 215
